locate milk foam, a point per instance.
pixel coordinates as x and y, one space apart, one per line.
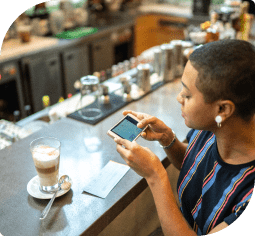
45 156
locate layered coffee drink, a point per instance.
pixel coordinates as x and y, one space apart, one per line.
46 157
46 160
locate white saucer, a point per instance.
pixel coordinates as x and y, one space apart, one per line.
34 191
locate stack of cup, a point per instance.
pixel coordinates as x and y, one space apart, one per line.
167 63
143 77
169 59
178 57
157 62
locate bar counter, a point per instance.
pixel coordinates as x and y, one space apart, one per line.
77 212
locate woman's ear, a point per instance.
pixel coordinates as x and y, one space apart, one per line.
226 108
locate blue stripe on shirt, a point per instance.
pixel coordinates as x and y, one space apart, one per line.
194 168
222 199
206 188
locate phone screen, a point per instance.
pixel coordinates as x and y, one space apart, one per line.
127 129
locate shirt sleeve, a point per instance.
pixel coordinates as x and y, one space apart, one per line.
234 216
238 209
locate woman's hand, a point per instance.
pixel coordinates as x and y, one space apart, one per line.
141 159
157 130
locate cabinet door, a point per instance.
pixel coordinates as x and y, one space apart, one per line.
152 30
76 65
170 28
102 54
145 36
11 90
43 78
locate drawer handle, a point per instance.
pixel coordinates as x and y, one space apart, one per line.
171 23
70 57
52 63
98 47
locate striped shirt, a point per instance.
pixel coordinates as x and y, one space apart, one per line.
211 191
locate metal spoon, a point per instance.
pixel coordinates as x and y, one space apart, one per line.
63 180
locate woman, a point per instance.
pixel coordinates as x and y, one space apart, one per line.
217 167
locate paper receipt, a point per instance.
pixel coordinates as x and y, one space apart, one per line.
107 179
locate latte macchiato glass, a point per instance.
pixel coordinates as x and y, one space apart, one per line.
46 156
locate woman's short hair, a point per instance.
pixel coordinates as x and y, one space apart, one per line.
226 71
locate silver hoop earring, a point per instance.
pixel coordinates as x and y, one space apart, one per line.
218 120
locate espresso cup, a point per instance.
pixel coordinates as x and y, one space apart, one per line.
46 156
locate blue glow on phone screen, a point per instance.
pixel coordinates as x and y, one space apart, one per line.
127 129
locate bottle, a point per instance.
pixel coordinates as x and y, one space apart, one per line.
61 99
108 73
97 74
120 68
246 22
46 101
230 32
27 110
16 115
241 21
102 75
212 33
114 71
77 86
104 98
126 65
40 11
133 62
221 28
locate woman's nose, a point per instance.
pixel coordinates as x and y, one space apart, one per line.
179 98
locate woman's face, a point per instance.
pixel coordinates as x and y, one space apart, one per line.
197 114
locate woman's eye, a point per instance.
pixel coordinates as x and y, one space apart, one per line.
185 96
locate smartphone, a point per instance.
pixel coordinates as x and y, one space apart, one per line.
126 128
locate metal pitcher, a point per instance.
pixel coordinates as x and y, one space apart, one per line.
168 63
143 77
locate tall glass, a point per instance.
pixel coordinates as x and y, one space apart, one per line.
46 156
89 84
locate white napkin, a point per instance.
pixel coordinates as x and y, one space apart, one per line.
107 179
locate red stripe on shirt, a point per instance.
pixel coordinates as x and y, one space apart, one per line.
251 171
194 163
